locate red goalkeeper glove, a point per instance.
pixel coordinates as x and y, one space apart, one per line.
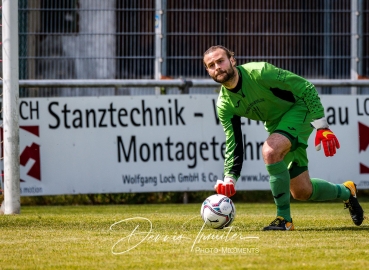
226 187
326 137
329 141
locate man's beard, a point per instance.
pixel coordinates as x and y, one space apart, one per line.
227 75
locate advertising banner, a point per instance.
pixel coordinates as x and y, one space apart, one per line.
122 144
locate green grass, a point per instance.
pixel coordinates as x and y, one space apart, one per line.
81 237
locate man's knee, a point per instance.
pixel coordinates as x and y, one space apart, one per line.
269 152
275 148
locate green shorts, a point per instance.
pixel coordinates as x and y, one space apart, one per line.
295 125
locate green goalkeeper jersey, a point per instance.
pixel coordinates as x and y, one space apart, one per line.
264 92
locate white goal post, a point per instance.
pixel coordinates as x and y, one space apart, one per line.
10 107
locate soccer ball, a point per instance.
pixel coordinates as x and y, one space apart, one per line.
218 211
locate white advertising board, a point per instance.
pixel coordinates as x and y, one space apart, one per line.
123 144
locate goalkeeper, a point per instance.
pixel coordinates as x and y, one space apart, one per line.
290 108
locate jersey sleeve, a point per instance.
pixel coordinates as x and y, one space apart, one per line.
234 149
274 77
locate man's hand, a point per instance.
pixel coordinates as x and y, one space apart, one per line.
226 187
326 137
330 142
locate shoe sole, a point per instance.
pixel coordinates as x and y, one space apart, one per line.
353 190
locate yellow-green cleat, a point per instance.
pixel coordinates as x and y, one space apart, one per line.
355 209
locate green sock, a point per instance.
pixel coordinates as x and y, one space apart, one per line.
325 191
280 185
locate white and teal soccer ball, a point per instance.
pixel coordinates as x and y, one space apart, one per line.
218 211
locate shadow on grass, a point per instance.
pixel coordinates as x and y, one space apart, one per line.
341 229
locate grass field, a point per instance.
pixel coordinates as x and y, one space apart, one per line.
121 237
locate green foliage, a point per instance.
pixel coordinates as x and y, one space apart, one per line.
141 198
154 197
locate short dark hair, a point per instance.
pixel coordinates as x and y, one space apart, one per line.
228 52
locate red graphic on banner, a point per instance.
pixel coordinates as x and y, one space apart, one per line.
30 152
31 129
363 144
363 137
363 168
